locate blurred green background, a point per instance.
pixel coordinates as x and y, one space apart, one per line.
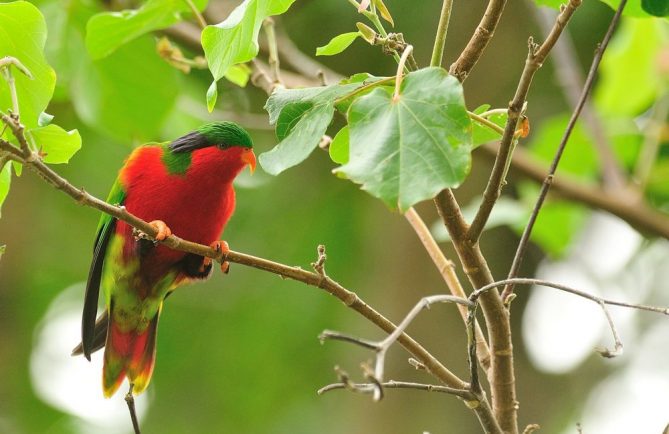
240 352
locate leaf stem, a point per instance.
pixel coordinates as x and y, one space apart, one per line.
196 13
442 30
364 88
400 68
483 121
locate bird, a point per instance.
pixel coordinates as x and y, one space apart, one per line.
183 186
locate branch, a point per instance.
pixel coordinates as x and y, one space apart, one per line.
447 271
367 387
479 40
638 214
535 59
130 400
587 87
442 30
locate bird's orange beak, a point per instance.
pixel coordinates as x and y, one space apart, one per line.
249 158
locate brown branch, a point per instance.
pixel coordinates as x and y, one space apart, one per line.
638 214
447 271
130 400
392 384
535 59
479 40
587 87
500 375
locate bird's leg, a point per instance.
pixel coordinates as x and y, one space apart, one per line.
163 230
221 247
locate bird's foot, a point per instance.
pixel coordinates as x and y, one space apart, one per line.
163 230
221 247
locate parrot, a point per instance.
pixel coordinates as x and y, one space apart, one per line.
183 186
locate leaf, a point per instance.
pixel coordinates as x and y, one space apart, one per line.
339 147
483 134
127 95
338 44
44 119
632 8
3 248
212 96
632 58
235 40
23 31
383 10
107 31
658 8
366 32
238 74
5 181
57 145
408 150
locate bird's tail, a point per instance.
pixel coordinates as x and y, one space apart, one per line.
129 354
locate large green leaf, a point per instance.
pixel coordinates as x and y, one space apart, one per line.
658 8
407 150
235 40
23 36
631 77
56 144
107 31
128 95
301 116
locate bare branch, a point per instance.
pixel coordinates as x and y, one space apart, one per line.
447 271
273 59
587 87
369 387
479 40
535 59
130 400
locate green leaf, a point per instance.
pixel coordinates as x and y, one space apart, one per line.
633 8
235 40
658 8
301 117
23 31
238 74
5 181
44 119
408 150
3 248
128 95
212 96
107 31
339 147
632 60
57 145
337 44
483 134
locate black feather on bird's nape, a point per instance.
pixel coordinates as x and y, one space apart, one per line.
190 142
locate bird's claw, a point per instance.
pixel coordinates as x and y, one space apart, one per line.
163 230
221 247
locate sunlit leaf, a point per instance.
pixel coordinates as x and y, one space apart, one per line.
56 144
238 74
383 11
212 95
3 248
127 95
339 147
407 150
107 31
235 40
632 8
630 73
5 181
23 35
337 44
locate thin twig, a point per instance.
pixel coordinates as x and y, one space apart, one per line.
570 77
130 400
447 271
196 13
651 143
273 59
587 87
369 387
535 59
479 40
638 214
442 31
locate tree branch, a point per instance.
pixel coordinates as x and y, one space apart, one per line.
447 271
638 214
589 81
479 40
392 384
535 59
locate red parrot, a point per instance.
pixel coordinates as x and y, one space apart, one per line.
185 187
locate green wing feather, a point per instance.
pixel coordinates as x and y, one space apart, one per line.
106 228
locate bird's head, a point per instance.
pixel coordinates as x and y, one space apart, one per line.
229 137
